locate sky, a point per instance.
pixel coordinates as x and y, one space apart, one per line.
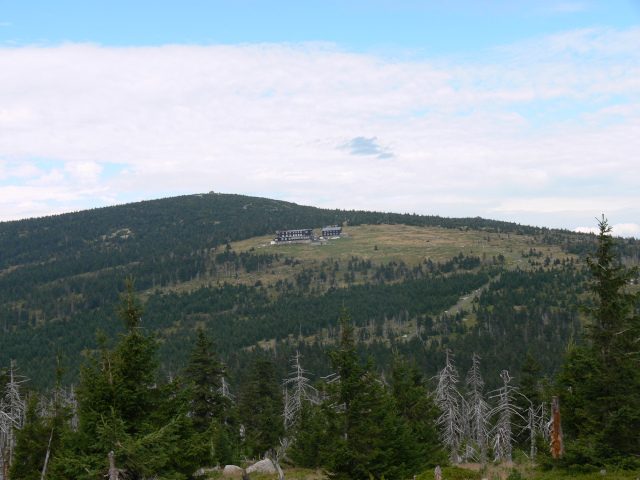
519 111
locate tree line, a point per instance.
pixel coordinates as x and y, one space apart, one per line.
353 423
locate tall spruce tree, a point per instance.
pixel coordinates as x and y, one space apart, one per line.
210 411
309 437
121 409
365 434
416 406
204 376
600 381
530 389
261 409
31 444
40 437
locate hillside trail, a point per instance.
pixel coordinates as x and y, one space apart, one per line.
464 300
453 310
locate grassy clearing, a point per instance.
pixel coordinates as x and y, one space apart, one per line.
520 471
396 243
468 471
289 474
408 243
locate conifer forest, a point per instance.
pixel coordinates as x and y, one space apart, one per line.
169 339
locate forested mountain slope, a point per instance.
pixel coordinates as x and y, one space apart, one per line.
204 260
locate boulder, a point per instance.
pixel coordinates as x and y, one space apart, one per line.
263 466
231 469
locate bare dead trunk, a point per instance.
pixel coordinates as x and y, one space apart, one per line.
557 444
113 471
46 458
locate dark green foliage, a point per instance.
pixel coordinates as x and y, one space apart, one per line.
453 473
600 381
515 475
121 409
204 374
32 442
224 448
210 411
366 437
40 434
261 409
120 381
529 383
416 406
530 395
310 436
69 269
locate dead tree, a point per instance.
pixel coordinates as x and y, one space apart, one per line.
557 442
468 451
544 422
297 389
506 409
449 399
224 390
533 414
46 458
479 409
437 473
70 401
279 454
12 411
115 473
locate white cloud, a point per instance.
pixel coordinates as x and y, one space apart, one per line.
586 229
618 230
626 230
84 173
581 206
268 119
24 170
15 116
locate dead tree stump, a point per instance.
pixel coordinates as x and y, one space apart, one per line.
557 444
437 474
115 473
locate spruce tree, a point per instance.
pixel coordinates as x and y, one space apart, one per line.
204 376
529 384
309 437
210 411
31 444
261 409
40 437
416 406
366 437
122 409
530 391
600 381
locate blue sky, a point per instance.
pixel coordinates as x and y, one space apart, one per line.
432 27
522 111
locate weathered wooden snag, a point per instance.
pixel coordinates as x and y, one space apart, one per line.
557 444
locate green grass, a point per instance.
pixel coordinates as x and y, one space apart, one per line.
524 472
409 244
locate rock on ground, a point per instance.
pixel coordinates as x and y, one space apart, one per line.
231 469
263 466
